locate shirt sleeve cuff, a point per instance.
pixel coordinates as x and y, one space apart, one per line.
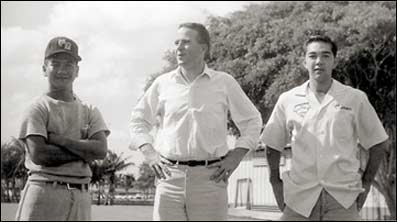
139 140
244 143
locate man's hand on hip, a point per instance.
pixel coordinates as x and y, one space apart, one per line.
362 197
153 159
227 165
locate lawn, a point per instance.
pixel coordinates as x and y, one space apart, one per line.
101 213
104 213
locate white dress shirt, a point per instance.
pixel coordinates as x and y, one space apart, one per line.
192 117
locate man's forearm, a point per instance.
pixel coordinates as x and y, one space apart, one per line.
239 152
273 159
88 149
376 154
52 155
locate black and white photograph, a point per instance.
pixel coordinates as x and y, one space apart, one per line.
198 110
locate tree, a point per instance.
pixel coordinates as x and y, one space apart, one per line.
12 169
128 181
105 171
146 180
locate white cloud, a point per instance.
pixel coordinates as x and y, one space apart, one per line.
120 43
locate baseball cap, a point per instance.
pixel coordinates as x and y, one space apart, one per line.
62 44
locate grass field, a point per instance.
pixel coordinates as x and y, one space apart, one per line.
105 213
101 213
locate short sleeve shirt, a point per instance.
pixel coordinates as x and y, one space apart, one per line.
324 142
75 120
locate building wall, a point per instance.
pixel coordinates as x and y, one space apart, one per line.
252 178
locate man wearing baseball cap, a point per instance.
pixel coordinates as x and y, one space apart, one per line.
62 135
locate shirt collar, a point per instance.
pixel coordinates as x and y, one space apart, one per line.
335 89
207 71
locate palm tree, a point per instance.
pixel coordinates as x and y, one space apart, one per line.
105 171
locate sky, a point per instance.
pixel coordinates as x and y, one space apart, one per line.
121 44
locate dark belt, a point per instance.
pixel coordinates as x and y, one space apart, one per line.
69 186
193 163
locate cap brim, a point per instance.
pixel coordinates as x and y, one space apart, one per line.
77 57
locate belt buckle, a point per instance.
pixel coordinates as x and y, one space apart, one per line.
206 163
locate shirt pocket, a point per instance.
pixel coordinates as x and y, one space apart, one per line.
342 125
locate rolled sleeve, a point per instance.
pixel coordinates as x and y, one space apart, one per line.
245 115
143 118
250 130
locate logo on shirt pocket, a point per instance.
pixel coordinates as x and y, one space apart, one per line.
301 109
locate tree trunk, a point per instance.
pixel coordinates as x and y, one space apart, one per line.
99 194
8 199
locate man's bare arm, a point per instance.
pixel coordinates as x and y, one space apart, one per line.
46 154
88 149
273 159
376 154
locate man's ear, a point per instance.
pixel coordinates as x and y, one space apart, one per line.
304 62
336 61
44 68
77 70
205 49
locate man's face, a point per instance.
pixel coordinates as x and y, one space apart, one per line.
61 70
319 61
188 50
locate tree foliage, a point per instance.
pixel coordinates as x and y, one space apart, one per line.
105 171
12 168
147 178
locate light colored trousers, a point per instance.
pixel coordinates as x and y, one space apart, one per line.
326 209
43 202
189 194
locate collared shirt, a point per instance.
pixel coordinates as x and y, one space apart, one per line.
192 117
323 139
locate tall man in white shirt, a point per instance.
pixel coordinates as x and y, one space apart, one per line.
190 154
323 120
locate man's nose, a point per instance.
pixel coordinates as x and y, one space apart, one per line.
179 46
63 69
319 60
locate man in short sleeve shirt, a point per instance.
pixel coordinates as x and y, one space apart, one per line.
324 121
61 135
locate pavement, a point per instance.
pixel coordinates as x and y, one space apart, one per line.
254 214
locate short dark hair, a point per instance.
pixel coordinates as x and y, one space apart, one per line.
322 38
203 35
